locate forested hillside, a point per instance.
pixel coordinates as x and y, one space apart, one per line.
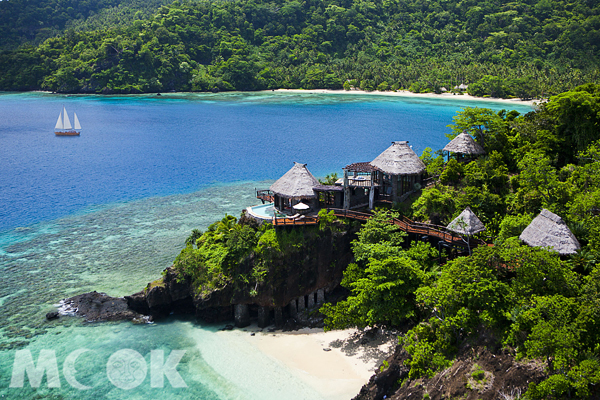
529 301
524 48
24 21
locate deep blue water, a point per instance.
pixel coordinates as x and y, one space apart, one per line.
136 147
109 210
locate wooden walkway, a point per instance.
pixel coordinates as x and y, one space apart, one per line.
404 224
418 228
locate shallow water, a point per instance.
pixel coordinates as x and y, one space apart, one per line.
109 210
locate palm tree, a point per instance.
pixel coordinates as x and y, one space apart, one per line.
191 240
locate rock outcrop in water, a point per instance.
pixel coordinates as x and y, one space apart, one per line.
295 281
97 307
303 276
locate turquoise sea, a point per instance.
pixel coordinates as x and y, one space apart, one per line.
109 210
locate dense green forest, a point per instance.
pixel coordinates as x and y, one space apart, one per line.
531 301
32 22
524 48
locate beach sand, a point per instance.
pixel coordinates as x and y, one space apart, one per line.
336 364
406 93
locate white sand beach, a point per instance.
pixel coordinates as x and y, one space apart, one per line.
406 93
335 364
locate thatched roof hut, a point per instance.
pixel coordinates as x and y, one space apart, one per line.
464 144
298 182
399 159
549 230
466 223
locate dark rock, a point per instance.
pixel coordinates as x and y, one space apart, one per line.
159 300
138 303
241 315
216 314
52 315
96 307
227 328
383 382
509 376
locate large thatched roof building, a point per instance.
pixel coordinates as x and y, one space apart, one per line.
466 223
399 159
464 144
298 182
294 186
549 230
397 171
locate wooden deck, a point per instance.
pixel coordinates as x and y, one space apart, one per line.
265 196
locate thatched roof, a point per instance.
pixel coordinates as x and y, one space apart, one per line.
549 230
328 188
298 182
466 223
360 167
464 144
399 159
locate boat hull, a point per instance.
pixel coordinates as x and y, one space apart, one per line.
67 133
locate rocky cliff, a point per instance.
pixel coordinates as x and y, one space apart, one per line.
482 370
300 277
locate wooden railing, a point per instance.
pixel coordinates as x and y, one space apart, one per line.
265 195
403 223
295 221
410 226
361 216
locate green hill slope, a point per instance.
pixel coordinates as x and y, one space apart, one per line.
501 48
33 21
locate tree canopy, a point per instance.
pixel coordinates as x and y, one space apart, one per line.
530 300
501 48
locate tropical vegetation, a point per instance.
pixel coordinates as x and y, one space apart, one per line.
499 48
532 301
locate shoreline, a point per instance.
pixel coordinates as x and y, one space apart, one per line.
399 93
406 93
335 364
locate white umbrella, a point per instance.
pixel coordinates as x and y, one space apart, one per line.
301 206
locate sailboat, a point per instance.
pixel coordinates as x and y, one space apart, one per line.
63 125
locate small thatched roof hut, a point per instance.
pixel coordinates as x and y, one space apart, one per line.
399 159
464 144
298 182
549 230
466 223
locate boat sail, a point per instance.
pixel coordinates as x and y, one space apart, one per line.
63 125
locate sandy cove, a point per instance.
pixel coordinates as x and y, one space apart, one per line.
336 364
406 93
